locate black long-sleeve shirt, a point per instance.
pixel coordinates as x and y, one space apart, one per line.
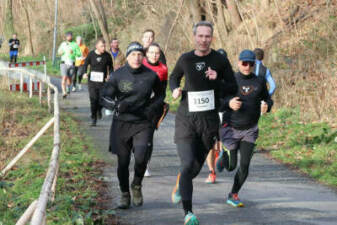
133 87
193 67
252 90
98 63
14 44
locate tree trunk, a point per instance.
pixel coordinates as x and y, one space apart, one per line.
233 10
194 6
221 17
102 12
29 50
8 20
100 23
265 4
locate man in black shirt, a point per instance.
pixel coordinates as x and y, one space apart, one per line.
101 66
239 129
14 45
207 80
128 93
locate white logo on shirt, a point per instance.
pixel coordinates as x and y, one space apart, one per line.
200 65
99 59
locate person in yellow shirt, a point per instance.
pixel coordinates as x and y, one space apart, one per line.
79 64
118 57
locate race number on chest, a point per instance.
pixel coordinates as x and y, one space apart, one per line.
199 101
96 76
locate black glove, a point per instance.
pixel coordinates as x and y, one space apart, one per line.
108 103
123 106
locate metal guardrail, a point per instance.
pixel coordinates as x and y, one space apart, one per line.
36 212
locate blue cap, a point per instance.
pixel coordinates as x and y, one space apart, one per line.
247 56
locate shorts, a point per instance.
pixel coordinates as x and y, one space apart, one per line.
67 70
231 137
13 53
197 127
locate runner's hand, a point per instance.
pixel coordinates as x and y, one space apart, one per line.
176 93
235 103
85 76
264 107
211 74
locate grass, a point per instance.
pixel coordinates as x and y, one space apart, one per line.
79 193
309 147
51 70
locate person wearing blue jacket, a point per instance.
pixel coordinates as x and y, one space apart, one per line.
261 70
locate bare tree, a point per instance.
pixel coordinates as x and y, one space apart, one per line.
195 9
8 19
29 50
234 12
100 22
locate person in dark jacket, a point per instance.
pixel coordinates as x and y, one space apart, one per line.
128 92
239 129
100 63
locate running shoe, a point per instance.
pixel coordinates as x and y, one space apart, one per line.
125 201
223 160
211 178
191 219
147 173
64 96
175 196
93 122
80 87
233 200
137 196
73 89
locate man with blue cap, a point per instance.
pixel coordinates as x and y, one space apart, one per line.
239 129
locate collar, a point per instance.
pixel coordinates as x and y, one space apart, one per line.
152 64
245 77
134 71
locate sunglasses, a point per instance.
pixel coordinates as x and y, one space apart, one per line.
251 64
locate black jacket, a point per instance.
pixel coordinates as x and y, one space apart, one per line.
129 92
252 90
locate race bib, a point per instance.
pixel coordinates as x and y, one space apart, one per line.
199 101
15 46
97 76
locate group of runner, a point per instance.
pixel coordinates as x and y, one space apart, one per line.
135 92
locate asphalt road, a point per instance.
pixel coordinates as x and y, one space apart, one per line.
273 194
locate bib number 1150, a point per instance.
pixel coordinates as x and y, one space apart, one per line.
199 101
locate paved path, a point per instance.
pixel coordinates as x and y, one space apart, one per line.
272 194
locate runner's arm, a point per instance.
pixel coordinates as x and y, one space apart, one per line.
266 96
108 95
228 85
271 82
176 75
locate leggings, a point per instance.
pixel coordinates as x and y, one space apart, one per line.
95 89
141 145
192 153
246 153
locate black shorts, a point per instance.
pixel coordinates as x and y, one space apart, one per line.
203 127
125 130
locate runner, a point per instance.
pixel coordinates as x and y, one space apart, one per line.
148 38
118 57
152 62
68 50
14 45
210 160
79 64
261 70
101 66
128 93
207 80
239 129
